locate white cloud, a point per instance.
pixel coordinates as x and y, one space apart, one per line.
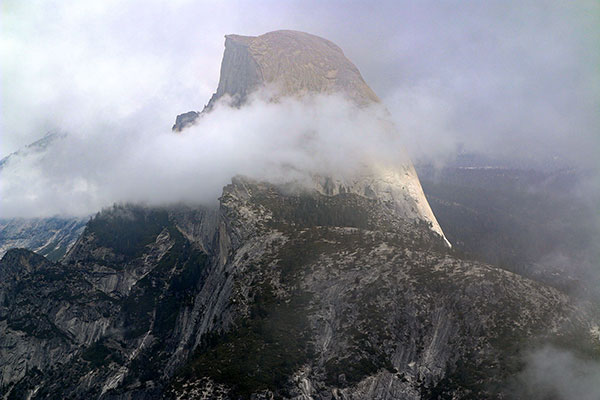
552 373
501 77
139 162
516 78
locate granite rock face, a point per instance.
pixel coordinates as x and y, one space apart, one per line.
344 288
51 237
337 299
275 293
294 64
78 328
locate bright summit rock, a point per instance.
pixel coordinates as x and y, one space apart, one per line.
293 64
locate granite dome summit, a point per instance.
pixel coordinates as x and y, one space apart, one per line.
295 64
340 288
291 62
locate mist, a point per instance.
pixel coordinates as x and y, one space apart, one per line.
518 80
514 80
507 78
290 140
554 373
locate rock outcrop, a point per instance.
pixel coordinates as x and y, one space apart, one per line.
343 289
293 64
271 295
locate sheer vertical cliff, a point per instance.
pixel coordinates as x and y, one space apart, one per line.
345 289
294 64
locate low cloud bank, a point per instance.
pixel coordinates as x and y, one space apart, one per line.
552 373
513 79
134 161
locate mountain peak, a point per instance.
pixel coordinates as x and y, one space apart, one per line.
291 62
294 62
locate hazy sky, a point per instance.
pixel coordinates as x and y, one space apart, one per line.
516 77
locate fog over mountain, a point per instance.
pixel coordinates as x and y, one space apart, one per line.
513 81
508 77
283 141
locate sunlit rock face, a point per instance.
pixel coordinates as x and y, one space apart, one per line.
343 291
294 64
289 63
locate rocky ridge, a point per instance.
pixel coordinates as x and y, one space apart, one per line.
295 64
51 237
346 289
273 294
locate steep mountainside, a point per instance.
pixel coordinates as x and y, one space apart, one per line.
339 289
289 294
50 237
294 64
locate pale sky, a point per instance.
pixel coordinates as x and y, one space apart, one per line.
516 77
